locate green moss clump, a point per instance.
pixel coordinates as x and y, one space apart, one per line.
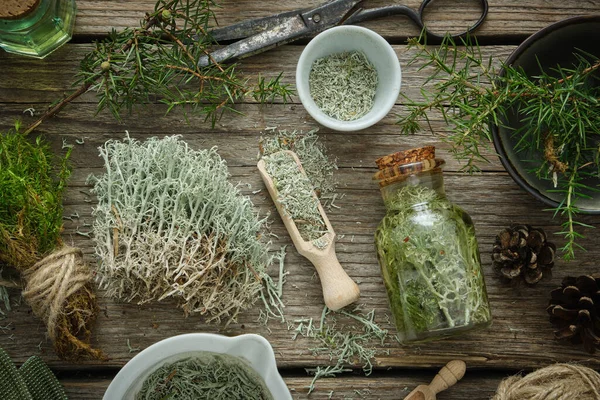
32 181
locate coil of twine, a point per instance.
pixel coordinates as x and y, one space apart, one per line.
555 382
58 289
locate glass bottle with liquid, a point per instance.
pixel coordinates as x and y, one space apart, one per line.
427 251
36 27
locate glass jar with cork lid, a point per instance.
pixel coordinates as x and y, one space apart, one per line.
35 27
427 251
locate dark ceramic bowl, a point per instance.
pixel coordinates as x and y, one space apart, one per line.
550 47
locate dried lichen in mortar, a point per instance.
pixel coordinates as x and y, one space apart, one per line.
205 376
169 224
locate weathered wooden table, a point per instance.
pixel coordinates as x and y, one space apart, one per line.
520 337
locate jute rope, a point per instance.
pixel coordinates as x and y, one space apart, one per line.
51 281
556 382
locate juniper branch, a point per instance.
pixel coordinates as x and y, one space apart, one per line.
167 58
558 109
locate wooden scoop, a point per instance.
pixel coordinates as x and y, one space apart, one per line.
339 289
448 376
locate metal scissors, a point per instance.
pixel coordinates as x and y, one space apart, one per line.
261 34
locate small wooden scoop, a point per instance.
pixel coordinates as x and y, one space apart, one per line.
339 289
448 376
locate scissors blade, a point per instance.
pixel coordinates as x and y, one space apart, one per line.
293 27
250 27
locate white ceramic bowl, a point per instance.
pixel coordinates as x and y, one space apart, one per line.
253 348
379 52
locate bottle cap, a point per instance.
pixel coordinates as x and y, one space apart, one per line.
397 166
15 9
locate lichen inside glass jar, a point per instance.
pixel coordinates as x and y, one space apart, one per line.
427 251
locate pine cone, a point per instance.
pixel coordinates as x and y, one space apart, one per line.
523 251
575 311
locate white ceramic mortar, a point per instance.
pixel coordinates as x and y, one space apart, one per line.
253 348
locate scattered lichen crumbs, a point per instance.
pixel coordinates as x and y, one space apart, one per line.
343 85
344 344
205 376
169 224
296 195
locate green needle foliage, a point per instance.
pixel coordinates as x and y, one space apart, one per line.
558 111
167 58
31 184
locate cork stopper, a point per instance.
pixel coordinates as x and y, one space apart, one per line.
406 157
398 166
15 9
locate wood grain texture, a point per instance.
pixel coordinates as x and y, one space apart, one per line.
520 337
44 81
391 386
507 18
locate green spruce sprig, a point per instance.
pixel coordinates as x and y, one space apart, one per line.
558 110
168 58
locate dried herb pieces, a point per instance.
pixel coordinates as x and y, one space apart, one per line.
205 376
296 195
344 344
343 85
169 224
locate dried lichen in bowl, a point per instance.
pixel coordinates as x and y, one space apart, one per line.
332 100
343 85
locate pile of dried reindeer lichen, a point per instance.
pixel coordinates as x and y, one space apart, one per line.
169 224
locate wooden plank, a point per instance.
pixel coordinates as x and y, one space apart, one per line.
507 18
236 135
473 386
521 336
44 81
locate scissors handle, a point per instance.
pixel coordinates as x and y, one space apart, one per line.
416 16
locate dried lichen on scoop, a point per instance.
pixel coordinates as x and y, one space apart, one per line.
317 164
296 195
343 85
169 224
